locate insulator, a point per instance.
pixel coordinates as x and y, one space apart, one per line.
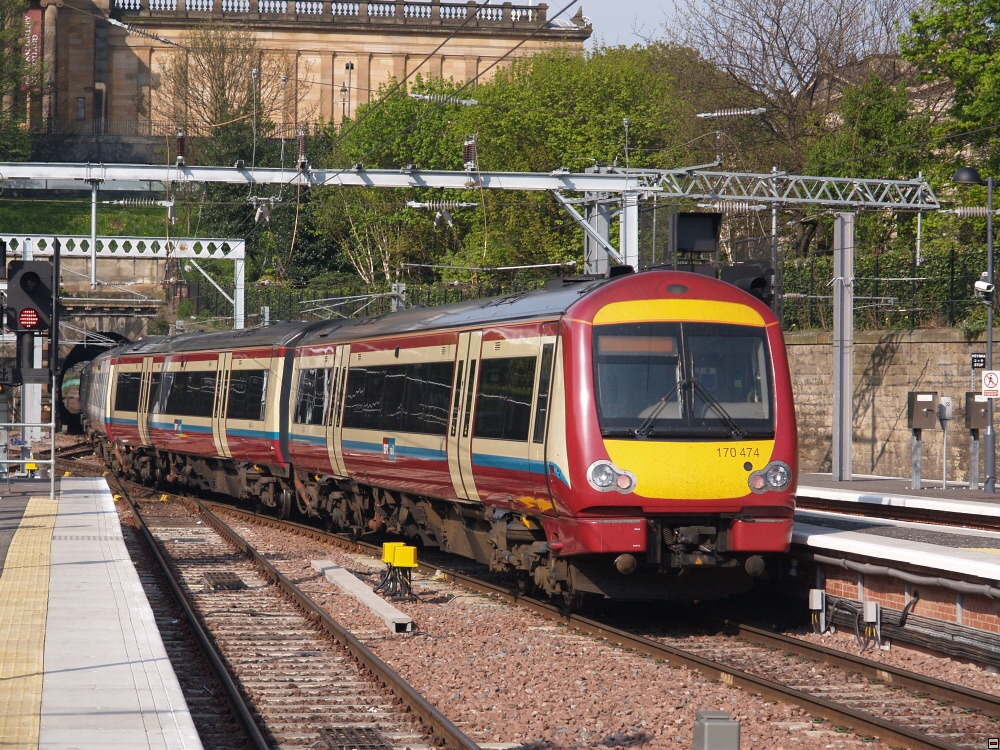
180 146
973 211
449 205
302 144
732 112
737 207
470 156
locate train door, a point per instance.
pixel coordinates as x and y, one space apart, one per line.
539 421
338 389
145 385
462 408
222 377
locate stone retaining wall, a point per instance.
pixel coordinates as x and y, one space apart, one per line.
887 365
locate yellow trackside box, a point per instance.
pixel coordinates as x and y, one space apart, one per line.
387 549
404 557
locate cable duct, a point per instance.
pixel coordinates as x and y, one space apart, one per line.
956 641
981 589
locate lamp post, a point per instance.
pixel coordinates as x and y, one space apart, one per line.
349 67
343 102
970 176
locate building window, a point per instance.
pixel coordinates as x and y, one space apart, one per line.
81 107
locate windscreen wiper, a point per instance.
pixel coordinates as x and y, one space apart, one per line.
643 429
734 428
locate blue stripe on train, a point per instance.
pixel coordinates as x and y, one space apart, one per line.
432 454
508 463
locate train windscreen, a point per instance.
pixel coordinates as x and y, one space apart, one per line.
667 381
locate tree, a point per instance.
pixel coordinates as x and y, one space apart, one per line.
793 57
234 102
955 42
20 80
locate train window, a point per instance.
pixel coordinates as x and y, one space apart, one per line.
312 398
700 380
127 391
393 389
542 407
247 395
189 393
343 380
468 398
458 405
503 406
399 398
427 396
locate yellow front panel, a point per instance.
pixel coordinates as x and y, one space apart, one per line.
688 470
647 310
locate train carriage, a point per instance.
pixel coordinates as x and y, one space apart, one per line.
630 437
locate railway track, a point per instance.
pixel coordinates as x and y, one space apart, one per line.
298 678
847 693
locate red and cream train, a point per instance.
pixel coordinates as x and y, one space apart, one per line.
631 437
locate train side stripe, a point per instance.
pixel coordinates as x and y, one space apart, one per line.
401 450
508 463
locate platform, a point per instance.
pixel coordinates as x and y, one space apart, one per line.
82 664
899 492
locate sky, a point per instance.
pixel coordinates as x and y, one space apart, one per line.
625 22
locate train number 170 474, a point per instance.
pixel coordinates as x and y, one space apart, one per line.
734 452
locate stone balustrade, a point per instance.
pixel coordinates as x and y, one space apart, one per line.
364 12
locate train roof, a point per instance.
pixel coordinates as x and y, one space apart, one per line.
550 302
279 334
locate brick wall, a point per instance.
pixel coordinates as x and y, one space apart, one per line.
887 365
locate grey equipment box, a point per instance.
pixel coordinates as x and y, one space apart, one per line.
921 410
977 411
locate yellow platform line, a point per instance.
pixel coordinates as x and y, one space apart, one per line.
24 596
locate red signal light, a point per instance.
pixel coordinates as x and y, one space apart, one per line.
28 318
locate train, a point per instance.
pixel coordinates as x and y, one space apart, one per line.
628 437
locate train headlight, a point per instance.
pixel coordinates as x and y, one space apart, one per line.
606 477
775 476
778 475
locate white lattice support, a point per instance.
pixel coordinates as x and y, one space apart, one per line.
149 248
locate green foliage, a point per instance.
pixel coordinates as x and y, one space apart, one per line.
974 324
878 136
548 111
71 216
158 326
956 41
185 309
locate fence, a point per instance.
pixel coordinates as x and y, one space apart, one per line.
890 292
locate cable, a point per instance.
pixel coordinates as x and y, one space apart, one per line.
462 88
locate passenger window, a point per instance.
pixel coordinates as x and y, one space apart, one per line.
503 405
542 406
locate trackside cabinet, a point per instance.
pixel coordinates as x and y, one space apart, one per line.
921 410
921 414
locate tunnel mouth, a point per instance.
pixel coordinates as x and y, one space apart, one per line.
68 406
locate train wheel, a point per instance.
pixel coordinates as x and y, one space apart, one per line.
570 601
285 507
525 585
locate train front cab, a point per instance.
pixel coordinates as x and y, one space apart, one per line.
682 465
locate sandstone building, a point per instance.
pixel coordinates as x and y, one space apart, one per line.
101 77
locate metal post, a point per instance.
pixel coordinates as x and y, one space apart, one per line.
989 444
973 459
349 67
93 233
629 229
239 294
916 460
843 345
